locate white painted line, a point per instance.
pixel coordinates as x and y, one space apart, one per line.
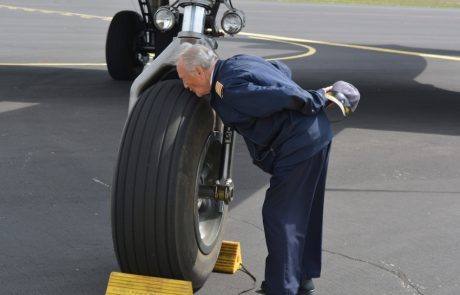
8 106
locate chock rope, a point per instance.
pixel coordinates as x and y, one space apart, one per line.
243 269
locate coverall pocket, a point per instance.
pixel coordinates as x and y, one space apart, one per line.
264 159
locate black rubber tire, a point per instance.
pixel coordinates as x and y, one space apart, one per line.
154 197
124 39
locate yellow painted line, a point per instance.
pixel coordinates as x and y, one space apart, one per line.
368 48
310 50
51 64
256 35
63 13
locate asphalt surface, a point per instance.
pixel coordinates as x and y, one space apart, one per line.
393 193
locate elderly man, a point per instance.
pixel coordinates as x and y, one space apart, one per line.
288 136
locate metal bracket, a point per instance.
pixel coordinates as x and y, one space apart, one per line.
225 191
219 192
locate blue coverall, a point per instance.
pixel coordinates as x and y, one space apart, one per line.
288 136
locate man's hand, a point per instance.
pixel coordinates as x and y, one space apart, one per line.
327 89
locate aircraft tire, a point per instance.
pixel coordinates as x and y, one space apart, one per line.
124 38
161 226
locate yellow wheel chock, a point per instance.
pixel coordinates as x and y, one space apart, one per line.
229 261
129 284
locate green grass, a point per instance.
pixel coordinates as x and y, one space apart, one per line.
413 3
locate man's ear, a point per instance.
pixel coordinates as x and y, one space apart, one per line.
199 70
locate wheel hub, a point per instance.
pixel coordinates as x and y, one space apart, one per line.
209 211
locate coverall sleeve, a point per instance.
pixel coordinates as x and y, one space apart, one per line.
262 101
282 67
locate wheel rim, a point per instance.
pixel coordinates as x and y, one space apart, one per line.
140 57
209 213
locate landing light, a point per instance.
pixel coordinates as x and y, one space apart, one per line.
233 21
165 18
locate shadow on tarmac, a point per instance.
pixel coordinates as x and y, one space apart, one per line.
391 97
65 85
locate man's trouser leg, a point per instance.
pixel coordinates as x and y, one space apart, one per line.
286 215
311 267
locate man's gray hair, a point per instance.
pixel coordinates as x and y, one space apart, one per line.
194 55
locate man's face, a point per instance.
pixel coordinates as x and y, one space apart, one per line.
196 80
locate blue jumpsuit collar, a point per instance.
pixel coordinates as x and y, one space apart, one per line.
215 75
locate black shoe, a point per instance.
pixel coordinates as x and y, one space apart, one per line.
306 287
262 288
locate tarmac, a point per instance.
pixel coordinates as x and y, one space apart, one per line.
393 192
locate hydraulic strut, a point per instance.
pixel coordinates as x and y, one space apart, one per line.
223 189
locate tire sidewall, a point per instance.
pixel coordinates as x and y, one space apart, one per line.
197 129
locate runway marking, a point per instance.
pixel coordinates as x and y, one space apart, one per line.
362 47
310 50
256 35
63 13
8 106
52 64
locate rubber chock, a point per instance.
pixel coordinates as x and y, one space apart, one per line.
229 260
123 283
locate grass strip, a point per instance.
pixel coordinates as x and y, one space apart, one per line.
408 3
